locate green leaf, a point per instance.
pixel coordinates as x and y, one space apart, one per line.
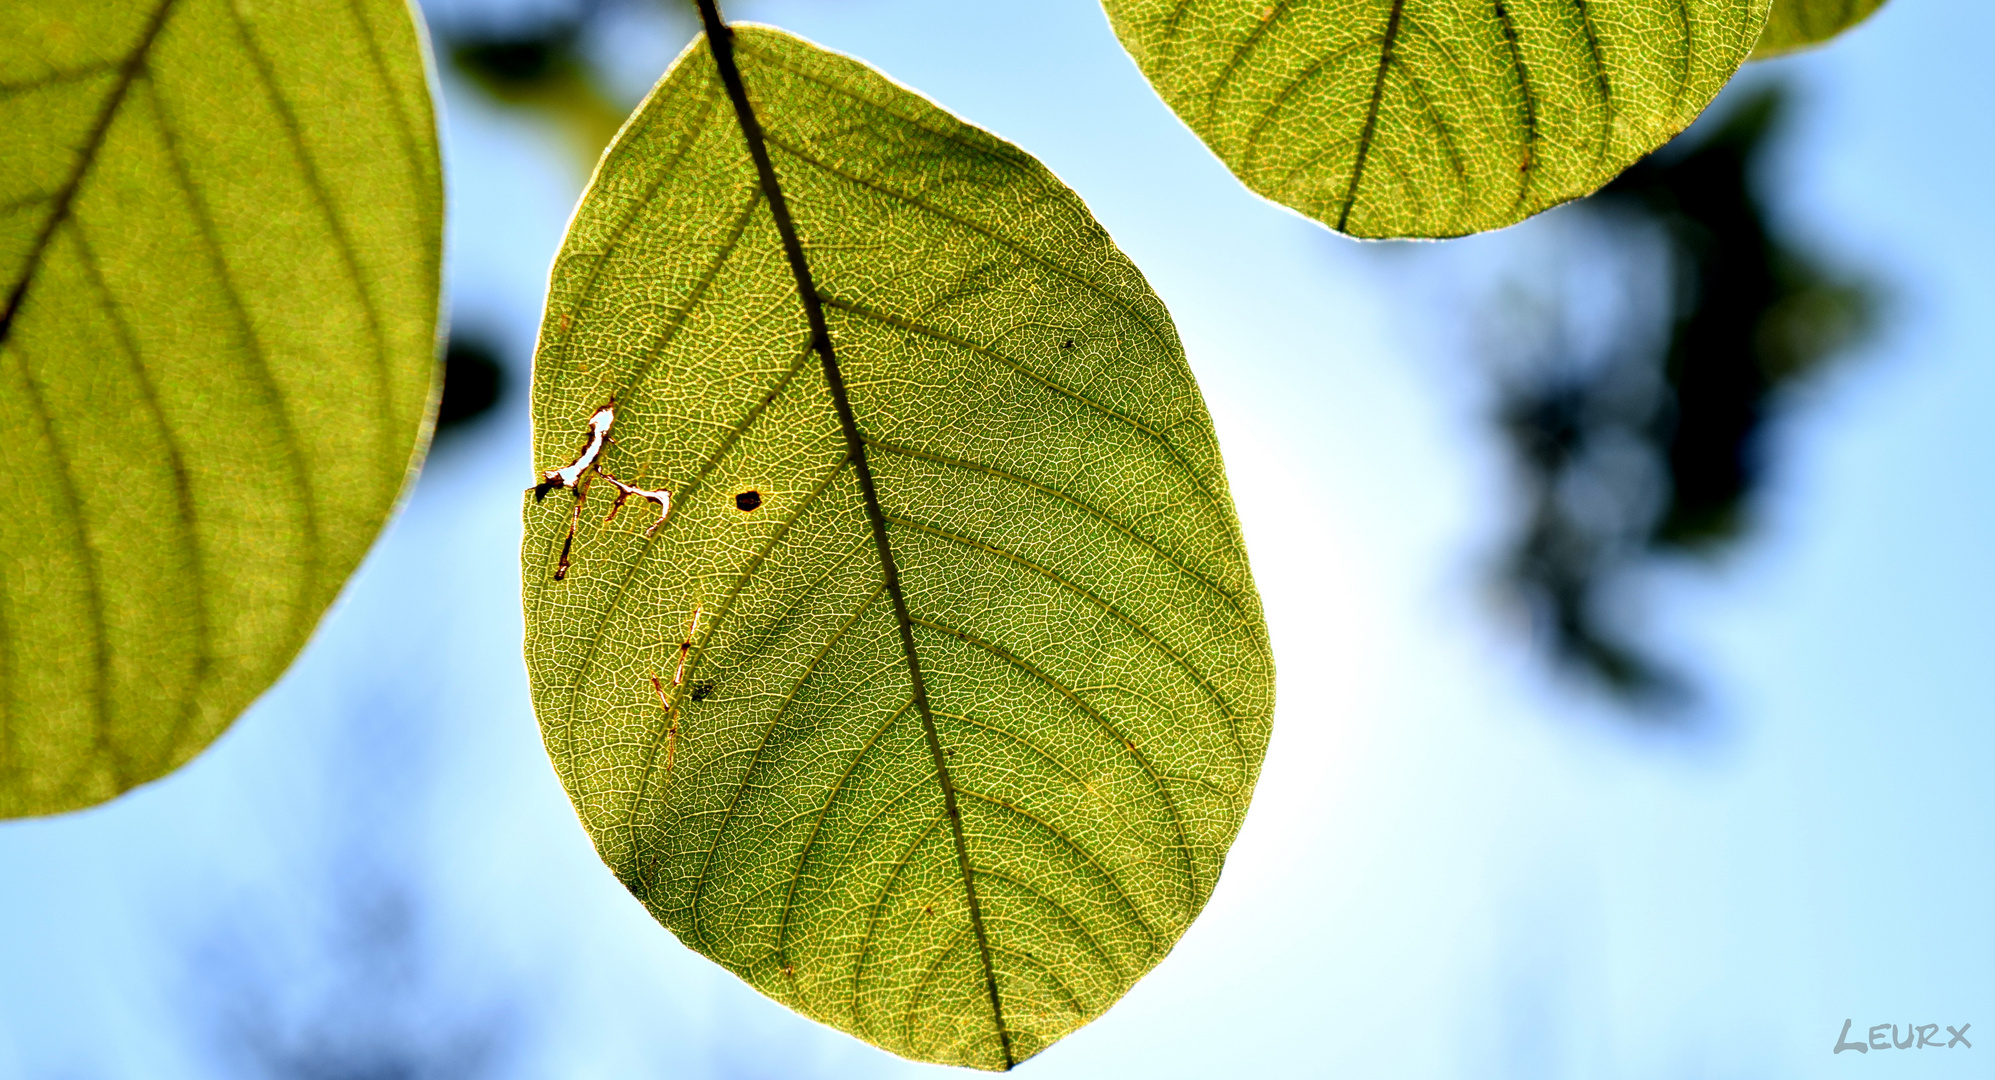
219 236
730 692
1385 118
1797 24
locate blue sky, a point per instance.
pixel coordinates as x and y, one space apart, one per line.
1454 867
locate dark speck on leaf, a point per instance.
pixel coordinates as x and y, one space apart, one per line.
1067 344
747 500
703 690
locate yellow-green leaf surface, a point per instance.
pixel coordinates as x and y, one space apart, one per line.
1797 24
219 230
1079 604
1384 118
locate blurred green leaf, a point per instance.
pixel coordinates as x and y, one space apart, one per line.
1797 24
1432 118
219 239
729 692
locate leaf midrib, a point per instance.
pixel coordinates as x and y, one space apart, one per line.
65 196
1365 137
64 199
720 46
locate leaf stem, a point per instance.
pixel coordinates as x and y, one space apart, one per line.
720 42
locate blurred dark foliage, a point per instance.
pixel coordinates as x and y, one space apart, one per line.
345 969
513 66
473 382
535 62
1659 448
360 1007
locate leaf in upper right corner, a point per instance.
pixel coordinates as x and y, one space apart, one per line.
1434 118
1798 24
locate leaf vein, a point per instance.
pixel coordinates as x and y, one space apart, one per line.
1277 12
1121 738
670 331
1080 504
60 76
183 491
617 235
1122 894
1267 115
1073 1001
93 584
1094 945
386 444
720 617
1101 292
1198 677
1371 113
302 609
817 828
866 941
128 71
911 326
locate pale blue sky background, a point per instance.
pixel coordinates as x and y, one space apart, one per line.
1454 867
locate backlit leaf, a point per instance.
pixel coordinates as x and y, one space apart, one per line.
219 233
728 692
1434 117
1797 24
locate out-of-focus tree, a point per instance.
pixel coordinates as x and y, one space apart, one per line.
1657 446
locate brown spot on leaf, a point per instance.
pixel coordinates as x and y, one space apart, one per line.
748 500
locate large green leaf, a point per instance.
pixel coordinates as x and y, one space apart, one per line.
219 233
1797 24
1434 117
730 693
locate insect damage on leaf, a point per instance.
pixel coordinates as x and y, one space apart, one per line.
576 476
670 701
568 475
